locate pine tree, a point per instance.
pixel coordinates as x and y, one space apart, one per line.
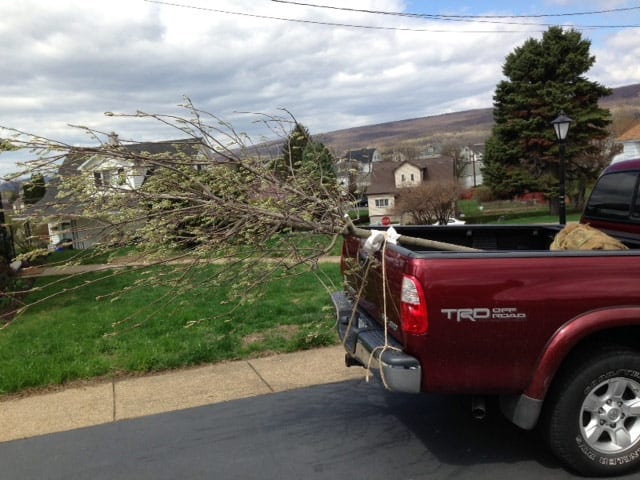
35 189
292 153
301 153
543 77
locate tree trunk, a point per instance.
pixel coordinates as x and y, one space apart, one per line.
410 241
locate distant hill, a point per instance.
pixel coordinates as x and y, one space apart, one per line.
623 96
10 186
467 128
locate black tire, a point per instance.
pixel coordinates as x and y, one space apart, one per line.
592 420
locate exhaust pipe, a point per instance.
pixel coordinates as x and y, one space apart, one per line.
478 408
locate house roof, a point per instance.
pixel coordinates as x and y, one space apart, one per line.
383 175
382 179
363 155
439 169
633 134
478 148
185 145
50 205
189 146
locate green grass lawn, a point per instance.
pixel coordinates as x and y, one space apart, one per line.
73 336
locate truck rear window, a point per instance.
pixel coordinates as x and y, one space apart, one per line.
614 197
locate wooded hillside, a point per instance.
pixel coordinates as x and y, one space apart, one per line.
466 128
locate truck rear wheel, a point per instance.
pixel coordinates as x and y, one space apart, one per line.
593 419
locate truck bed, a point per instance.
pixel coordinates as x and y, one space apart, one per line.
487 237
496 238
514 293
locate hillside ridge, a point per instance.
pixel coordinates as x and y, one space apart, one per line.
466 127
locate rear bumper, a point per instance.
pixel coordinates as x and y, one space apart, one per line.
365 345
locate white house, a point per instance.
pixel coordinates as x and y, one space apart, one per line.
108 175
353 169
630 144
472 158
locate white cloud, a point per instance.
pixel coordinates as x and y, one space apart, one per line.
617 59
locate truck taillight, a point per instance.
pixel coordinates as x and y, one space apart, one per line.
414 307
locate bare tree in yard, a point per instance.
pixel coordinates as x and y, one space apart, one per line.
454 150
587 165
225 203
429 202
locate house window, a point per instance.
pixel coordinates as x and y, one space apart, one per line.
412 178
382 202
60 227
110 178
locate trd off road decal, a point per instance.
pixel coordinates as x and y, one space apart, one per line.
483 314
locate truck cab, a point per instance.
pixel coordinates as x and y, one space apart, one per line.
614 204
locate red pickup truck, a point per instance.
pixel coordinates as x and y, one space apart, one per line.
554 334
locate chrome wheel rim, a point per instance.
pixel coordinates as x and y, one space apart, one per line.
610 416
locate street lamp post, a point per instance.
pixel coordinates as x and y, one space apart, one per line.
561 126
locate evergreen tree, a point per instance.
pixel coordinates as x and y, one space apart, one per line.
301 153
35 189
319 162
543 77
292 153
310 167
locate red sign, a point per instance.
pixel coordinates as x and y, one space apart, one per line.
386 221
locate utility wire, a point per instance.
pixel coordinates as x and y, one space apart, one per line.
493 19
441 16
368 27
332 24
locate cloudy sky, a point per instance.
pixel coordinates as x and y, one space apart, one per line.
66 62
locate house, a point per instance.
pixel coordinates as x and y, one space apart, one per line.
353 169
470 173
389 177
630 144
430 151
107 175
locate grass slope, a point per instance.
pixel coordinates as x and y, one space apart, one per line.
73 336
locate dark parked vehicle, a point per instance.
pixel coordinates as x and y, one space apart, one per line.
614 204
554 334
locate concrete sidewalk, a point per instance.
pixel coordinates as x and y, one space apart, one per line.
136 397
